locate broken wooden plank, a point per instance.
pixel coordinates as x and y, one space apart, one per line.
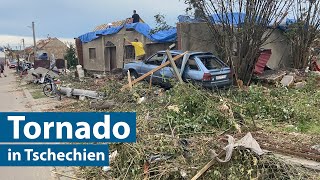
204 169
153 71
173 64
129 80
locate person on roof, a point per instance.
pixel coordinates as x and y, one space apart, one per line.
135 17
138 49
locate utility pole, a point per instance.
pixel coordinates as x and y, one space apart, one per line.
24 48
34 42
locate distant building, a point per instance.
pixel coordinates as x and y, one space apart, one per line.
50 46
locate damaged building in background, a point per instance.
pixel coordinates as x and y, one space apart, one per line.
195 35
104 49
47 49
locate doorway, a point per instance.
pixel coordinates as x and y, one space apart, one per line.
110 58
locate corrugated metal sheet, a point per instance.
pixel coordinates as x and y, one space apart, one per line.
262 61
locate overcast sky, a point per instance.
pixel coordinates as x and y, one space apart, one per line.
70 18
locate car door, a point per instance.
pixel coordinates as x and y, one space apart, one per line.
151 63
193 71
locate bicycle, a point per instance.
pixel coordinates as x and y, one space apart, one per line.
52 87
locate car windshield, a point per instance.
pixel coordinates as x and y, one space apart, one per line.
211 62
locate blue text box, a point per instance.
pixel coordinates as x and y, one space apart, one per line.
54 155
90 118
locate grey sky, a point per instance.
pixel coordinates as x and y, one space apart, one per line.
71 18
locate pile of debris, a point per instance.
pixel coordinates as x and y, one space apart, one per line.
177 130
287 78
160 156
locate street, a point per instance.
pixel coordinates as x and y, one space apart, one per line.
13 99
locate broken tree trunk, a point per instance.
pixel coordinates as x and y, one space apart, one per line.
173 64
152 71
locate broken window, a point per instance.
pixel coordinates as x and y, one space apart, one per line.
193 65
211 62
129 52
92 53
156 59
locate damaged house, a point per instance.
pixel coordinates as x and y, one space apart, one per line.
195 35
104 49
52 47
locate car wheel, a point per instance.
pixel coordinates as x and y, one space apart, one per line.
134 74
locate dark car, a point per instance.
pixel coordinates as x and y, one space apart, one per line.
13 64
202 68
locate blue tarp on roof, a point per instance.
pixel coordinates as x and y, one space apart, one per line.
109 31
188 19
161 36
88 37
142 28
235 19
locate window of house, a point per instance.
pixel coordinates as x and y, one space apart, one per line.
129 52
193 65
156 59
92 53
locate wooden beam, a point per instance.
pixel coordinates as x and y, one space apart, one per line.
129 80
153 71
173 65
204 169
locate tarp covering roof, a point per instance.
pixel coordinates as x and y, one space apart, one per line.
233 18
142 28
236 19
169 35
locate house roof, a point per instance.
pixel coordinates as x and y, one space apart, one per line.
43 42
169 35
236 19
113 24
105 26
40 44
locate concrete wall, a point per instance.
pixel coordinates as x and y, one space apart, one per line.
198 37
280 47
195 37
97 64
56 47
155 47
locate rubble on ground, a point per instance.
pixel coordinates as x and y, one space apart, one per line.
287 81
286 78
177 129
